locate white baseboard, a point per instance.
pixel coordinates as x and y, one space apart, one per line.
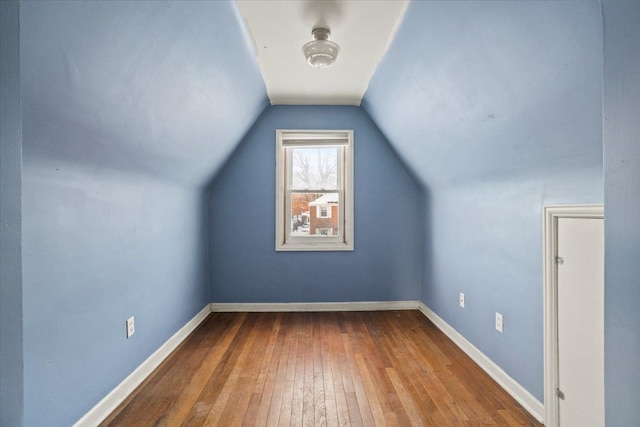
511 386
111 401
315 306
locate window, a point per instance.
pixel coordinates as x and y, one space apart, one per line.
324 212
314 190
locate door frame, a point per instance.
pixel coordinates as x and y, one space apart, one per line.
550 216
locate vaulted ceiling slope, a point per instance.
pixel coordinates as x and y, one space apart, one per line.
170 88
160 88
488 91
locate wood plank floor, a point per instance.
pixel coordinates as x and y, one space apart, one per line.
386 368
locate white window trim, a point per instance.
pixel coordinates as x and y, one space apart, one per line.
329 209
309 243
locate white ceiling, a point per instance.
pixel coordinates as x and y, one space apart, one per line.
279 29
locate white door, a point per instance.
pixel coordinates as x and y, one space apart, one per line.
580 288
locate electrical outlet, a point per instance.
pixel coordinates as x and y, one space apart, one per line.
461 300
498 322
131 327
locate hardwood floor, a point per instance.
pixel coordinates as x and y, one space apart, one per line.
385 368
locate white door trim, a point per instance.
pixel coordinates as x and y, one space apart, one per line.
551 213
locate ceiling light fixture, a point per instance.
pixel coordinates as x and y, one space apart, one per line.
321 52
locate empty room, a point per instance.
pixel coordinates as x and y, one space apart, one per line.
320 212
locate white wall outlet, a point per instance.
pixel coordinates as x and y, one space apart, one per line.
131 327
498 322
461 300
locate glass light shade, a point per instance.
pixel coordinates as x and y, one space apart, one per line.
321 53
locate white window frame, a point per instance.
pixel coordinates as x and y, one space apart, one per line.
286 139
327 208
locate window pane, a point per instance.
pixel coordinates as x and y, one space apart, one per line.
315 214
314 197
314 168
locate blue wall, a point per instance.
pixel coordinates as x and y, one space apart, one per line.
98 247
11 373
128 109
385 265
496 107
622 211
161 88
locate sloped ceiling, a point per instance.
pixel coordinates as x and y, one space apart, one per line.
488 91
160 88
170 88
